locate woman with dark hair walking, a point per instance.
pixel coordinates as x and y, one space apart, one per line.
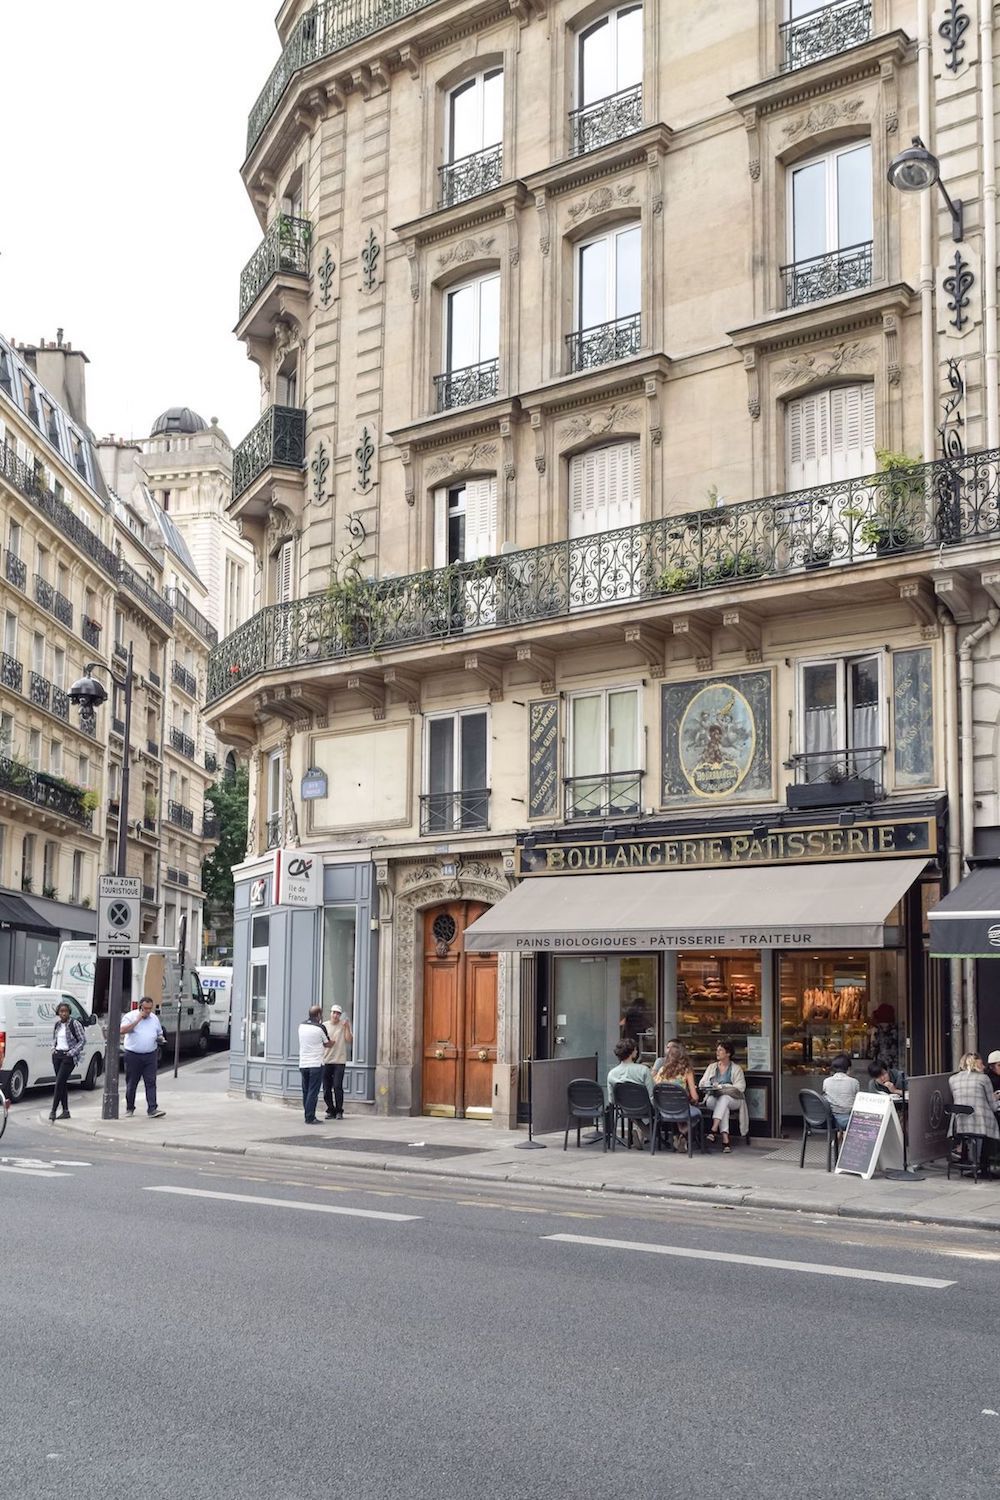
68 1042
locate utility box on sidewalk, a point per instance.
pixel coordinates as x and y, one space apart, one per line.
505 1076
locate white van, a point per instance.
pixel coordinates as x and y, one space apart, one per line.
155 972
27 1019
217 983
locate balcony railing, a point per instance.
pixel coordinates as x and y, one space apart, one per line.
149 893
179 877
152 748
44 592
210 826
39 690
463 387
91 632
852 522
114 807
825 276
836 778
120 650
606 120
60 704
29 483
44 791
180 816
11 673
824 33
62 609
14 570
184 679
284 251
272 831
604 342
182 742
118 728
451 812
146 592
153 677
615 795
325 28
278 441
182 606
471 175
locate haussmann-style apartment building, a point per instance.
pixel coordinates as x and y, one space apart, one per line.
625 500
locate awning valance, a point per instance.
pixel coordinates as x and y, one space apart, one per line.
966 924
780 906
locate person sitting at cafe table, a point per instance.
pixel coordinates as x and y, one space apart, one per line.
726 1083
885 1080
676 1068
841 1089
993 1071
970 1085
629 1069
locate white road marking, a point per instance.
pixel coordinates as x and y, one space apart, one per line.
32 1171
851 1273
72 1163
309 1208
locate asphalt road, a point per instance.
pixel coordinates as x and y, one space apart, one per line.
259 1330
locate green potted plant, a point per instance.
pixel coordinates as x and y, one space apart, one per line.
732 565
89 800
892 523
819 551
676 580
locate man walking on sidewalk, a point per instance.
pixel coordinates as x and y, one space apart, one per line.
338 1029
143 1033
313 1041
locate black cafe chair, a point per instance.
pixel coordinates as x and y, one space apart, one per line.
585 1105
971 1147
817 1119
672 1106
632 1105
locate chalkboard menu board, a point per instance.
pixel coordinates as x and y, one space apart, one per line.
872 1133
543 757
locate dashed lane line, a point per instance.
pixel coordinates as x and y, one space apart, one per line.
309 1208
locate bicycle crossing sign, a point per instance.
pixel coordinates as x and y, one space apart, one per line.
118 916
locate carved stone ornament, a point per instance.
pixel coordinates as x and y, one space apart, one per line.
466 250
458 460
597 423
279 529
825 364
601 200
286 337
823 117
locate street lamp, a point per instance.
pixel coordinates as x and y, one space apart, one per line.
88 694
915 170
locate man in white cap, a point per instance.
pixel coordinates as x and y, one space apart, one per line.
993 1071
339 1031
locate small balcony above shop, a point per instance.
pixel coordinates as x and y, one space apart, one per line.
276 277
471 175
274 449
837 778
604 343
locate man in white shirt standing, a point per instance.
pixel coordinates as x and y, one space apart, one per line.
313 1041
142 1032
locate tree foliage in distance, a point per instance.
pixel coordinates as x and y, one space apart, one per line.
229 797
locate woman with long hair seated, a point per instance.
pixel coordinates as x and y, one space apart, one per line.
676 1069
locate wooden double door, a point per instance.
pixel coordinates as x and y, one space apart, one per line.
460 1016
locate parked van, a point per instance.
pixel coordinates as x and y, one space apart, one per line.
217 983
155 972
27 1019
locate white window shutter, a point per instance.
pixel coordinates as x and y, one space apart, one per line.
285 572
852 421
440 529
480 518
807 440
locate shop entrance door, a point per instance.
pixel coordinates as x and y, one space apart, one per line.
597 1001
460 1016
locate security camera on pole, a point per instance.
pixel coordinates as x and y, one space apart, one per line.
118 935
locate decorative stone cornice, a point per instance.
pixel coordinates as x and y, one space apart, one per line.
823 77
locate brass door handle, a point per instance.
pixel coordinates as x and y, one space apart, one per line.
484 1054
439 1053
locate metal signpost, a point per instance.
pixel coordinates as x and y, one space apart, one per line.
118 898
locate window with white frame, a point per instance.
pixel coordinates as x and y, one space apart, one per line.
473 137
38 653
465 521
608 298
83 771
830 435
608 80
604 754
14 537
456 772
6 734
50 868
275 797
58 666
841 728
604 488
56 757
27 861
471 343
10 633
257 1012
35 749
829 225
76 878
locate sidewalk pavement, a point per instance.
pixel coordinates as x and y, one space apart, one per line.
202 1116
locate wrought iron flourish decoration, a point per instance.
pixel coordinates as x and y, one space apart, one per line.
370 255
952 421
958 285
356 526
325 276
320 468
953 28
365 453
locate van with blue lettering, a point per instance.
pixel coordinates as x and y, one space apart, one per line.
217 985
155 972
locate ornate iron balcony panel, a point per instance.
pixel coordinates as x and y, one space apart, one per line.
44 791
284 251
44 593
62 609
11 673
851 523
471 175
451 812
182 742
39 690
29 484
114 807
146 592
864 763
824 33
120 650
180 816
181 605
273 831
60 704
152 748
616 795
14 570
91 632
278 441
184 679
604 343
825 276
153 677
606 120
178 877
118 728
466 386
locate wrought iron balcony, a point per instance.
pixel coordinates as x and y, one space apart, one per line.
11 673
120 650
60 704
44 791
44 592
463 387
471 175
149 893
146 592
273 831
184 679
284 251
114 807
618 794
211 761
149 823
91 632
829 275
834 776
28 482
180 816
181 605
39 689
451 812
154 678
605 342
210 826
178 877
824 33
278 441
182 742
118 728
14 570
152 748
325 28
606 120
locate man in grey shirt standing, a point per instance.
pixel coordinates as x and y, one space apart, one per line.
142 1032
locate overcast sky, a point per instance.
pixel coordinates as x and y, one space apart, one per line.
124 220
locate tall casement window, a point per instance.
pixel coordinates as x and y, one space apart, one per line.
471 343
829 225
465 522
814 29
473 138
27 861
608 80
275 797
608 298
841 727
456 777
830 435
605 775
257 1013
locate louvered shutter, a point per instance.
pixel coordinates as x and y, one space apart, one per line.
480 518
807 426
440 528
285 572
852 425
623 485
604 489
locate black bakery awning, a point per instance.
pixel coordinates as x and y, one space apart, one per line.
966 924
15 912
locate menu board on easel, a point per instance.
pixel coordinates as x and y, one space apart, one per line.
873 1137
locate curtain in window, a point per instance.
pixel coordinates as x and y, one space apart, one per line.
864 679
819 705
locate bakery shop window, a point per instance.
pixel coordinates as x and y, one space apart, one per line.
839 1002
717 996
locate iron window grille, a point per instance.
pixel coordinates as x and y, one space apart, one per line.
464 387
604 343
471 175
824 33
452 812
616 794
823 276
606 120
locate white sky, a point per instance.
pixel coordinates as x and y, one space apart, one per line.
123 219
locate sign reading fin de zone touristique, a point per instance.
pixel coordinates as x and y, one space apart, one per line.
879 840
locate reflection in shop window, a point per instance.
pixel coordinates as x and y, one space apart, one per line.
717 997
339 958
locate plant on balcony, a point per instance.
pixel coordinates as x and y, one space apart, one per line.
85 901
26 884
732 565
893 521
49 892
90 800
819 550
149 807
677 580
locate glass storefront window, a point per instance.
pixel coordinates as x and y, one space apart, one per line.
257 1021
717 996
340 925
597 1001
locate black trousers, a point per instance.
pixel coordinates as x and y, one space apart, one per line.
333 1087
141 1065
62 1067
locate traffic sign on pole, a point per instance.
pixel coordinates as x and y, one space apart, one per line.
118 916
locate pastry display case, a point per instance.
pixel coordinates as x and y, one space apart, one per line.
717 996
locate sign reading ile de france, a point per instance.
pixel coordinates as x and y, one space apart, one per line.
298 878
